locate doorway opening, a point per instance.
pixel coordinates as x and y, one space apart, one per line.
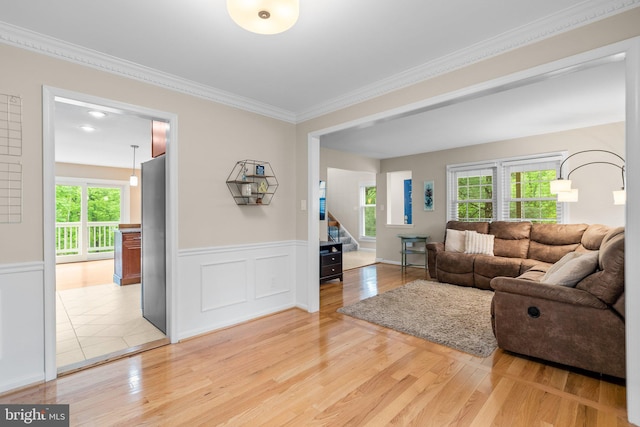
92 314
350 202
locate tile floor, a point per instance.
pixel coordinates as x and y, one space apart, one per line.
98 320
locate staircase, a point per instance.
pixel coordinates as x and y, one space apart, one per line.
337 233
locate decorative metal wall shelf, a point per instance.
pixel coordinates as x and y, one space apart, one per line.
252 182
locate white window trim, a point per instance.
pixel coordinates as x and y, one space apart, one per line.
463 167
364 185
547 162
500 213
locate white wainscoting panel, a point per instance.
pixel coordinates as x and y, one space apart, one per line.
21 325
270 276
224 286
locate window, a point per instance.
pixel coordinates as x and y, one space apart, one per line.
474 196
103 216
527 193
508 190
86 217
368 211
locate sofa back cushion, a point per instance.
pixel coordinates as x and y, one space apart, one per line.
550 242
511 238
608 282
480 227
593 235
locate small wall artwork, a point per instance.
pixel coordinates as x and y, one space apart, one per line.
323 199
428 195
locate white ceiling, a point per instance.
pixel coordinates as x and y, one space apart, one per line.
338 53
110 143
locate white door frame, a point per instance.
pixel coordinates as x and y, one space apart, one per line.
49 97
630 49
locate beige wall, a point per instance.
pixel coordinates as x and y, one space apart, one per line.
346 161
70 170
596 182
211 139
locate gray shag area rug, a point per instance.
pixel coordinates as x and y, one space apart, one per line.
455 316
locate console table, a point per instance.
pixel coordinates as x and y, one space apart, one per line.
413 244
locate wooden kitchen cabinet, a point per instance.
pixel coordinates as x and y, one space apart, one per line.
127 254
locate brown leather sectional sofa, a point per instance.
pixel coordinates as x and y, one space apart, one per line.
518 246
580 325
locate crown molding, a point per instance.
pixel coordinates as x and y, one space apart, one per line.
583 14
25 39
571 18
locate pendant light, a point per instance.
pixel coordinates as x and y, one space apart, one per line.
133 179
264 16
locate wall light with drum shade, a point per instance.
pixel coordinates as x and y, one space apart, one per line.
562 187
133 179
264 16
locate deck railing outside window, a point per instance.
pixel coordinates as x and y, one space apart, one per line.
69 237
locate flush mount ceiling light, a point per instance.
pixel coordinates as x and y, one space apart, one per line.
264 16
87 128
97 114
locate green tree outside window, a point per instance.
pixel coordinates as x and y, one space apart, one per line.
369 211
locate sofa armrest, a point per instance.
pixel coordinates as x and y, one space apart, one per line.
433 248
530 288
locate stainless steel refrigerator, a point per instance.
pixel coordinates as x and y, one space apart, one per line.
154 294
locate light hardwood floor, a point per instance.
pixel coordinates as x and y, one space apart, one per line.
298 369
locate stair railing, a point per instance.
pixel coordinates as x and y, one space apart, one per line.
335 231
333 228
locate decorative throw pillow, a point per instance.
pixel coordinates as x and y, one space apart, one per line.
573 271
478 243
454 241
561 262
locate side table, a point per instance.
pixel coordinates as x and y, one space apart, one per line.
330 261
413 244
